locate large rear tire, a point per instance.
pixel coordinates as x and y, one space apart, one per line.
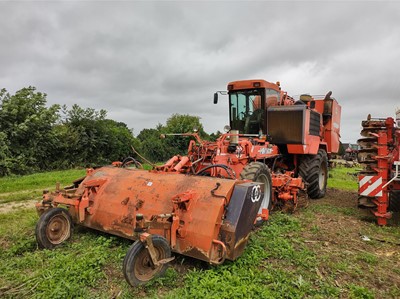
259 172
53 228
314 171
138 267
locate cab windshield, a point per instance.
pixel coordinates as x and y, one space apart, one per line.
247 111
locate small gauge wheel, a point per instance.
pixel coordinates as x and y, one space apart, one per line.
138 267
53 228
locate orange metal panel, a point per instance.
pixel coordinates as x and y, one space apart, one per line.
248 84
311 146
124 194
331 112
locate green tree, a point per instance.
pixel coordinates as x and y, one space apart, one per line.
152 146
26 124
215 136
34 137
83 138
5 157
91 138
117 140
182 123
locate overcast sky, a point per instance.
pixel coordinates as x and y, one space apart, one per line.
143 61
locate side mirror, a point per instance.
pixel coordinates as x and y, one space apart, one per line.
216 98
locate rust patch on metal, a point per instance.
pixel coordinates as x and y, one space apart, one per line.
139 204
197 253
125 201
127 219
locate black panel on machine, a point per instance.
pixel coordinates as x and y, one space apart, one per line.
286 124
239 219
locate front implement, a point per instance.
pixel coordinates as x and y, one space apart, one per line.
206 218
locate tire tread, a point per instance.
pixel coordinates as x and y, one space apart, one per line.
309 170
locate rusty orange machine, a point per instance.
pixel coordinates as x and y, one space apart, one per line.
206 218
271 138
204 204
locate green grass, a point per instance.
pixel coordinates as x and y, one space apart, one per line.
20 188
29 187
258 272
91 264
277 263
294 256
73 271
39 180
343 178
87 265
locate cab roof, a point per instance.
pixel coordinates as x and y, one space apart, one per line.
250 84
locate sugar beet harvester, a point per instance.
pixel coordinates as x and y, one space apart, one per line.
206 218
271 138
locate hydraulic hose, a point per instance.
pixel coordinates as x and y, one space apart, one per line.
228 170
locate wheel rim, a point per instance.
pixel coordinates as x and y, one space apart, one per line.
322 176
267 196
58 229
143 267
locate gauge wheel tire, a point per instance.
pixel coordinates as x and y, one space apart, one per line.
314 170
259 172
137 266
53 228
394 201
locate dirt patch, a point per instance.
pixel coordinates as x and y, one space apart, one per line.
11 206
338 198
354 247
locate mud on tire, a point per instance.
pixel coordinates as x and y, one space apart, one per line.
314 170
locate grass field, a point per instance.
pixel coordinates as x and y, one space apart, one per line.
343 178
317 252
20 188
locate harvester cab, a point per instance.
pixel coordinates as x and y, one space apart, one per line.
280 141
247 113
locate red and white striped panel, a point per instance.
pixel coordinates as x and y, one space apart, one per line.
370 185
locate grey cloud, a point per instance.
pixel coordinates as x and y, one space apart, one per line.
144 61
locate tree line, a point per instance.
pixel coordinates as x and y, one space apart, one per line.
36 137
